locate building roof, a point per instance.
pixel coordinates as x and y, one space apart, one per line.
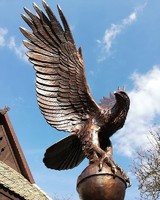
9 146
16 183
15 175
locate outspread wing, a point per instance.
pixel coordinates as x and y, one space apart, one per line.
107 103
62 91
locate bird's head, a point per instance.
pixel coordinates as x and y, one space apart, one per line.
122 98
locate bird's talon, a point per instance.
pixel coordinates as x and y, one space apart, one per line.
114 170
100 166
129 182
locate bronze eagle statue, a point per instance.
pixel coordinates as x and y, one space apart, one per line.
64 97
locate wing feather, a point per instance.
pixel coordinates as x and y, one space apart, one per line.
34 48
62 91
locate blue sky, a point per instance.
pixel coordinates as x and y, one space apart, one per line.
121 46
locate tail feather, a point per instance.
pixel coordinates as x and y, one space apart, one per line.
65 154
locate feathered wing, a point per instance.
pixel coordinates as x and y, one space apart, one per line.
62 91
107 103
65 154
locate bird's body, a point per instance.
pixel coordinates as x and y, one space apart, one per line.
64 97
93 137
102 126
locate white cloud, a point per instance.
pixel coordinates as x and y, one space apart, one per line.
110 35
19 50
144 109
114 31
130 19
3 32
10 43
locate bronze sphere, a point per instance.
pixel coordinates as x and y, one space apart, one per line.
93 184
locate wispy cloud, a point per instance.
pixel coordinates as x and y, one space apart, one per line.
10 43
3 32
115 30
19 50
144 109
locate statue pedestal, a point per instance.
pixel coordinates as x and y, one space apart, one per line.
93 184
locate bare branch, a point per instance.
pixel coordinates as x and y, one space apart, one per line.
146 168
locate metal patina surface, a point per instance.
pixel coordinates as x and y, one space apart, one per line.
101 185
64 97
